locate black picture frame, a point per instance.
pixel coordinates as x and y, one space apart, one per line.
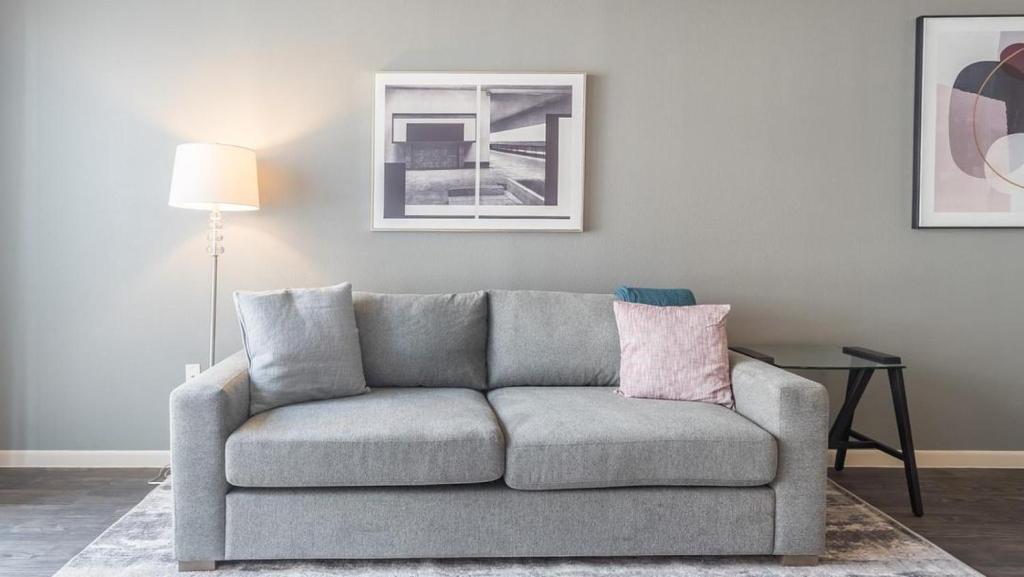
918 88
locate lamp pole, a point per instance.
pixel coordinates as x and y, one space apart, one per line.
214 248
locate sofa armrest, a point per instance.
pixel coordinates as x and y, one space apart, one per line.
204 411
795 411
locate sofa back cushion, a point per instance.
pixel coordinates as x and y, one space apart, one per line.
423 340
552 338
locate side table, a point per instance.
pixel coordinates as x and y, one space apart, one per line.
861 363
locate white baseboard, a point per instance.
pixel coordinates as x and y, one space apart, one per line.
938 459
75 459
130 459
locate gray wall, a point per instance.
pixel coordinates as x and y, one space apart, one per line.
758 152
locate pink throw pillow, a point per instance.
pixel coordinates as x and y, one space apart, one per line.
674 353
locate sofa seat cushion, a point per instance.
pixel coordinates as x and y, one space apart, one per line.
388 436
589 437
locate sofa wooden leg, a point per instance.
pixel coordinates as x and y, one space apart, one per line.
197 565
799 560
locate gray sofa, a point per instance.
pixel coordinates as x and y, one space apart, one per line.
517 445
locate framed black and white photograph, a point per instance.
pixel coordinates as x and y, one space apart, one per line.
969 156
474 151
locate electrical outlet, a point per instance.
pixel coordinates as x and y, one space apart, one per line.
192 371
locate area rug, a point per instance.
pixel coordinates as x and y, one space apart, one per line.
862 542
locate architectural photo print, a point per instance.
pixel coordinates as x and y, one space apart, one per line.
478 151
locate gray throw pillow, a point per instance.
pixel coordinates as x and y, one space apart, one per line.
302 345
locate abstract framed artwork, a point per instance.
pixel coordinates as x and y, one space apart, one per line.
478 151
969 132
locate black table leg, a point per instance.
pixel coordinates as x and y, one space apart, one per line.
851 385
839 434
899 401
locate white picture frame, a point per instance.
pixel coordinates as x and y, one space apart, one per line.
968 147
478 151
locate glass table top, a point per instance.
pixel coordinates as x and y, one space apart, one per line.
824 357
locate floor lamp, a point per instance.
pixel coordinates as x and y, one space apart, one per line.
217 178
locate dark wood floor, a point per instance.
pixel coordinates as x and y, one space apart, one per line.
975 514
48 515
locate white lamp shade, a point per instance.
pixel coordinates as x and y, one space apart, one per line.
214 177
